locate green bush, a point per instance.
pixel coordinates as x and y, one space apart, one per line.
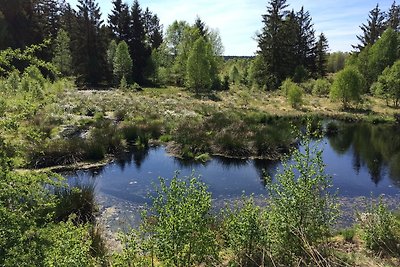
301 210
381 230
180 223
244 228
295 96
347 86
321 87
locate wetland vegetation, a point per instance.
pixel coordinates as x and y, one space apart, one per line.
77 92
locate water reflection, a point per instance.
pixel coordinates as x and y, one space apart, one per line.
376 147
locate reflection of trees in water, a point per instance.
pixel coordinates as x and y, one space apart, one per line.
265 167
138 156
373 146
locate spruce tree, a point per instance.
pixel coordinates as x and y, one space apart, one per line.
393 17
153 29
372 30
119 20
305 54
90 49
271 43
137 46
322 55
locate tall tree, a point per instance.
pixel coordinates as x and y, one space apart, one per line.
322 55
393 17
119 20
90 50
372 30
47 14
271 41
201 26
175 35
137 45
305 53
153 29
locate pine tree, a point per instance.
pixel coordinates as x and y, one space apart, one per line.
271 42
47 14
118 21
62 53
201 26
393 17
372 30
321 55
137 46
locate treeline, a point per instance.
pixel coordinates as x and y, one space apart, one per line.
83 45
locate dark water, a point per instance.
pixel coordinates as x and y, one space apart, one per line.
363 159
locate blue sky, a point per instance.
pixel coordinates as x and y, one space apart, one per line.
239 20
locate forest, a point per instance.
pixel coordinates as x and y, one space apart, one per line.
78 93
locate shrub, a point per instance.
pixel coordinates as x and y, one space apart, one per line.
301 211
348 234
381 230
347 86
180 225
321 87
286 85
295 96
244 227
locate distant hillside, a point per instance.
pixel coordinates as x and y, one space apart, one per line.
237 57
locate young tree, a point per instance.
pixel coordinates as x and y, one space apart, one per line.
321 55
122 61
234 75
112 48
198 67
372 30
62 58
388 85
347 86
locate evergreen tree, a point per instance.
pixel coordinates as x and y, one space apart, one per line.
119 20
305 53
198 67
372 30
90 51
137 46
122 62
4 35
271 42
62 53
19 19
47 14
201 26
393 17
153 30
321 55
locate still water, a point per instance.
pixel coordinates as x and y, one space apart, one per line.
363 159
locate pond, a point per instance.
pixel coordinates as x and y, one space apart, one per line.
363 160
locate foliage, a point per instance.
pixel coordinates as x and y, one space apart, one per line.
336 61
198 67
381 230
388 85
294 96
301 211
122 62
347 86
180 223
62 58
244 226
321 87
